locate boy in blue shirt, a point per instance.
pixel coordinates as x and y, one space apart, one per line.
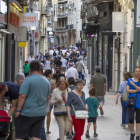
93 105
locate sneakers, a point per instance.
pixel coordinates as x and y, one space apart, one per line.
95 135
101 111
87 135
132 137
69 137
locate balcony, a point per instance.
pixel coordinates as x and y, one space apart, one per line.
22 2
62 15
60 29
73 26
68 27
45 10
96 2
92 13
62 1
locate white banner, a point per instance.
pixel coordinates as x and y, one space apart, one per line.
28 19
138 14
117 22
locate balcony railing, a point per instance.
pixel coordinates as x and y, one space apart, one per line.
68 27
63 14
60 29
45 10
71 27
96 2
62 0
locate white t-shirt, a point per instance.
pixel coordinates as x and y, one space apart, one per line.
41 64
68 54
47 65
64 62
72 72
51 52
63 51
30 59
57 52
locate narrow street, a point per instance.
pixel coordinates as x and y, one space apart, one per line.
108 126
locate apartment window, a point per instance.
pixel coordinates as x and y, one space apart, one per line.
63 23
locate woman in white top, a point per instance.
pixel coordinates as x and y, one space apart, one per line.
48 64
59 99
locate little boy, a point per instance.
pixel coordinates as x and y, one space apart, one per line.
93 105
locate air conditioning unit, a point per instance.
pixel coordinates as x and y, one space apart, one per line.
22 2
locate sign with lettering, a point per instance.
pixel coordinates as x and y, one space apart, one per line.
21 44
29 19
14 19
108 31
118 21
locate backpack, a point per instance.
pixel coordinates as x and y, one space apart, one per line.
54 53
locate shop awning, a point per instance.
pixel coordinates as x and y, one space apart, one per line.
17 6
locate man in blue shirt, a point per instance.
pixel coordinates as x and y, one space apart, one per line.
32 102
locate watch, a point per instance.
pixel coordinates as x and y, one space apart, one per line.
18 110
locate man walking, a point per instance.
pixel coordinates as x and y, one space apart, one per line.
99 82
32 102
72 72
79 67
64 64
58 74
31 58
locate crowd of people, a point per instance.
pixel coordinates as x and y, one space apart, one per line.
55 81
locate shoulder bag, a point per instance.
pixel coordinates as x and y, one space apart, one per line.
132 100
125 97
81 114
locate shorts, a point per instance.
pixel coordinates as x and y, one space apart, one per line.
64 69
28 126
92 119
13 122
101 99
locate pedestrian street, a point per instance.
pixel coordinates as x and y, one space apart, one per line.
108 125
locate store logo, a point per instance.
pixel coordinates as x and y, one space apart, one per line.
29 19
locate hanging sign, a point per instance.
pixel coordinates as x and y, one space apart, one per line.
29 19
138 14
21 44
118 21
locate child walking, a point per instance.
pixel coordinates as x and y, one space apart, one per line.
93 105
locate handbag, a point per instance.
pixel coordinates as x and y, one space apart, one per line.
81 114
132 100
125 97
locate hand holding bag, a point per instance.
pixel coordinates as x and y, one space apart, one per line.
132 100
81 114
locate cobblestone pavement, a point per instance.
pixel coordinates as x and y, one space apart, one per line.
108 126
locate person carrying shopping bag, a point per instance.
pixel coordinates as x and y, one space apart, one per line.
76 103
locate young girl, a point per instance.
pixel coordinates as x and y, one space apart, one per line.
93 105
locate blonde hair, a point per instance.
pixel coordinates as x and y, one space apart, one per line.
62 79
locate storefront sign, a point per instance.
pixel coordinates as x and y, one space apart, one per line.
108 31
49 29
14 19
21 44
29 19
118 21
138 13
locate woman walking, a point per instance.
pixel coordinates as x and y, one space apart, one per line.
59 99
122 93
49 75
77 99
133 88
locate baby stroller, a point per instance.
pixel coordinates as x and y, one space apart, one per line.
4 125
